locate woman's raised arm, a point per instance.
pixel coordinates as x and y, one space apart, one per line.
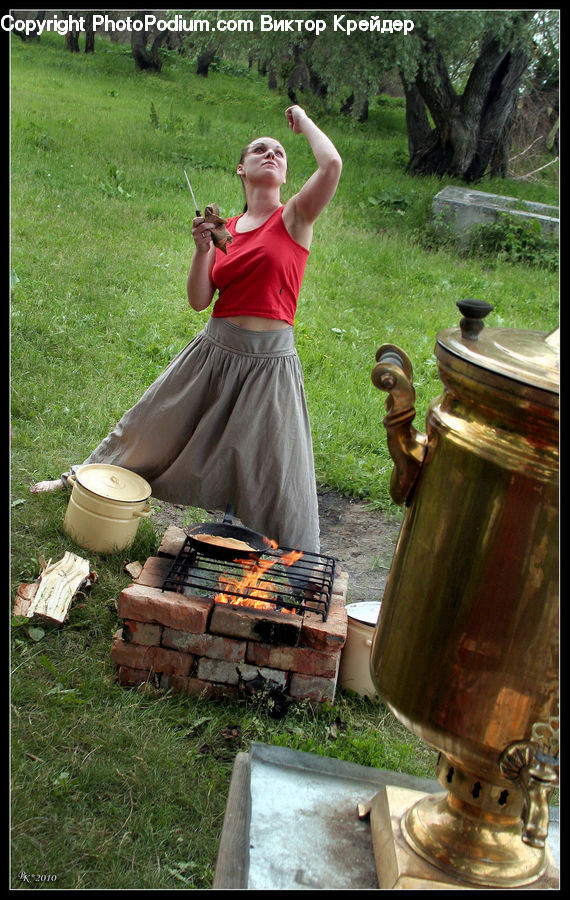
319 189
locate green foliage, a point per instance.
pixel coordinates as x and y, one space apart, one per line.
173 124
338 733
510 239
515 240
112 186
355 63
387 199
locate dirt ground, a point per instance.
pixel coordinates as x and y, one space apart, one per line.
361 539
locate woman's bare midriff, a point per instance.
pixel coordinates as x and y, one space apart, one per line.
257 323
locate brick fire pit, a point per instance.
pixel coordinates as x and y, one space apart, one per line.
195 645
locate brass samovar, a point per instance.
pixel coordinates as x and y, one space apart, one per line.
466 649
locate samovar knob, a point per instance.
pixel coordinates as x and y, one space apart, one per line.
474 311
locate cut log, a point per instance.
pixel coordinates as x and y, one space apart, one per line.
51 596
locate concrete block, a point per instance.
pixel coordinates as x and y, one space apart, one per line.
462 208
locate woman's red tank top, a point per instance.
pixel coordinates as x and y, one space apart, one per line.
261 274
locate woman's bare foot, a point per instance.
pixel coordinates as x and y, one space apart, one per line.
47 486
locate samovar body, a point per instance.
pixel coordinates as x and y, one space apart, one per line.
466 648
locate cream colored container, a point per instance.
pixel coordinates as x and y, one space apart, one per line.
105 507
354 672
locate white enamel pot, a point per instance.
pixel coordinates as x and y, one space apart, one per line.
354 671
105 507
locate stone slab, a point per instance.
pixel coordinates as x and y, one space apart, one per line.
462 208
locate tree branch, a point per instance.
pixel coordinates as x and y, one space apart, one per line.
534 171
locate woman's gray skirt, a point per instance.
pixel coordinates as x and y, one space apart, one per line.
227 422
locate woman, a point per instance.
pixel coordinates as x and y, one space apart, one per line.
227 420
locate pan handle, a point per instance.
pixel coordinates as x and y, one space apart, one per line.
229 515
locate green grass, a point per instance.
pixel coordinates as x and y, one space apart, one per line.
127 789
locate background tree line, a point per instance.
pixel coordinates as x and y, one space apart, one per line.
472 79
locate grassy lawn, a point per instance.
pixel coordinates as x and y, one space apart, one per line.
127 789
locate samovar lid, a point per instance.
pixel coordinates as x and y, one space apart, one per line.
529 357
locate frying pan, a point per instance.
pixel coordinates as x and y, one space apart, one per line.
225 529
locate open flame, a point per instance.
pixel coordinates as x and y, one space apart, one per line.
253 589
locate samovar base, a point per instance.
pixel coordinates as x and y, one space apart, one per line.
401 864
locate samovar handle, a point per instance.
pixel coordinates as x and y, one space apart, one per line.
393 373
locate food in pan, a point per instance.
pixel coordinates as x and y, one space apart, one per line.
228 542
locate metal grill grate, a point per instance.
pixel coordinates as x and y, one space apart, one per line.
305 585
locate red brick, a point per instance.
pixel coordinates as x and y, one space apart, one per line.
142 633
132 677
340 585
150 604
329 635
153 659
172 541
296 659
194 686
312 687
211 645
256 624
154 571
176 683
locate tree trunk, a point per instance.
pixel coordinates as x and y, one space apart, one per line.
499 162
468 129
303 78
417 122
156 60
143 59
497 115
354 106
204 60
318 86
33 37
72 40
89 34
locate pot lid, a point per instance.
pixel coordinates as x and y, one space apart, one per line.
530 357
113 483
367 611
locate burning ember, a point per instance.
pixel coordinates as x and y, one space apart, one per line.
253 589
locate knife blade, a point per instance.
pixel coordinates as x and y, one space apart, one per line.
192 192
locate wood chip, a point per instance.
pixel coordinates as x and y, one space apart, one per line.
134 569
